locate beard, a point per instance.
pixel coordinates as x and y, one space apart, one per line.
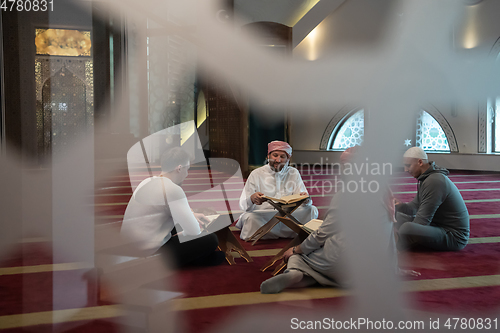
275 166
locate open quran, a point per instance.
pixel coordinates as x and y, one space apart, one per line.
312 225
288 199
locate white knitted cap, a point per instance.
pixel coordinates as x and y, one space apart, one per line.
416 152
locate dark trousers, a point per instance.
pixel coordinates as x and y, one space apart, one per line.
413 236
197 252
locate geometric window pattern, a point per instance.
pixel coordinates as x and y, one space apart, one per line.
351 133
64 101
430 135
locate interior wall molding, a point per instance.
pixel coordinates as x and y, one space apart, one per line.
448 131
334 125
482 124
339 118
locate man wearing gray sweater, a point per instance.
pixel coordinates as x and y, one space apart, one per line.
437 218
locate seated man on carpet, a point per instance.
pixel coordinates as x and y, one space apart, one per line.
318 259
159 206
321 257
437 218
275 179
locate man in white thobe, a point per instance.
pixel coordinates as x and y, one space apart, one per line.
275 179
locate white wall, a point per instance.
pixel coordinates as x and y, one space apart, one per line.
480 162
308 128
463 119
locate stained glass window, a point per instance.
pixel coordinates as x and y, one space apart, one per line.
430 135
351 133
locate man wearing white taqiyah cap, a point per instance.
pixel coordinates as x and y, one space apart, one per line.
437 217
275 179
416 152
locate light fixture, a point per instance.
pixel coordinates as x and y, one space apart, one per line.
471 2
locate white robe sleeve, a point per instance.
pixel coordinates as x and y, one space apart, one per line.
301 187
329 228
250 188
181 212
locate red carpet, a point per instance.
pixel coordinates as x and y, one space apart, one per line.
33 292
480 302
473 260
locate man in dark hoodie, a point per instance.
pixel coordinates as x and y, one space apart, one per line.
437 217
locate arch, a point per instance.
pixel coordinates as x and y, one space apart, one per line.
335 125
445 126
72 65
429 134
346 112
495 50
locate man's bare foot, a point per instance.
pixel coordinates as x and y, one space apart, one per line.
407 272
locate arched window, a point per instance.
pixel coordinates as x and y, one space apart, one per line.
430 136
350 132
433 133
